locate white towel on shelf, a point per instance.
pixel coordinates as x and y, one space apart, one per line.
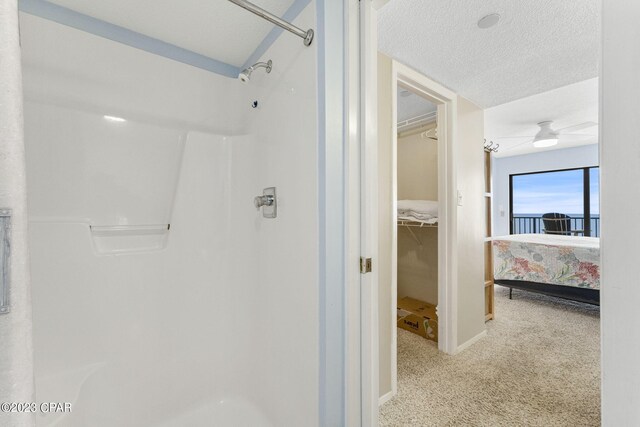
419 209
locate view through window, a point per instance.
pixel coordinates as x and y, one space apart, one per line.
572 195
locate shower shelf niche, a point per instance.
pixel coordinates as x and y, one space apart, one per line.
121 239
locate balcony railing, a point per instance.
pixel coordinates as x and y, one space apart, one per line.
533 224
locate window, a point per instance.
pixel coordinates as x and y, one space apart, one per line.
571 192
594 199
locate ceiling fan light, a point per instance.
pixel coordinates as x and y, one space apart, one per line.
545 142
546 137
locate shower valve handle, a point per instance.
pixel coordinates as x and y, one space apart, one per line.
266 200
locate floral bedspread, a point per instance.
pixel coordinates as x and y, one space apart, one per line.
557 260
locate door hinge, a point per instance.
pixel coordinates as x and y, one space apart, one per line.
365 265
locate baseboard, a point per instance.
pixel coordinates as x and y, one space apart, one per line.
471 342
387 397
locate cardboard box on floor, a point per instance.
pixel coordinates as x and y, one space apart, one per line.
418 317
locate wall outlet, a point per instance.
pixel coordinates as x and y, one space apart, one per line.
459 198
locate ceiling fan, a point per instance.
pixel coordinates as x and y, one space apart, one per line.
547 136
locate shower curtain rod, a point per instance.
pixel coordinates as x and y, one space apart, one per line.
306 35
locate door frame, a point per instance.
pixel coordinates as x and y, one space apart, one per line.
362 314
367 306
446 101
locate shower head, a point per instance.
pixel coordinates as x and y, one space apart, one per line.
245 75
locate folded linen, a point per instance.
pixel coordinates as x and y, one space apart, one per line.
420 209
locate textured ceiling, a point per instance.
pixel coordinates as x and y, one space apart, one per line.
537 45
214 28
412 105
566 107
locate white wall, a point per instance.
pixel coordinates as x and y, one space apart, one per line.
568 158
120 331
16 348
620 240
228 311
286 337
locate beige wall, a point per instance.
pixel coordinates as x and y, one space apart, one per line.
417 168
418 264
385 219
418 180
470 233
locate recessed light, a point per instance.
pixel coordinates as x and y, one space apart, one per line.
488 21
114 119
405 93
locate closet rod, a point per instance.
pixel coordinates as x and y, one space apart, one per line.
306 35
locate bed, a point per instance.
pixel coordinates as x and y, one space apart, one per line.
561 266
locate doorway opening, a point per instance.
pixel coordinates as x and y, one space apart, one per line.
417 271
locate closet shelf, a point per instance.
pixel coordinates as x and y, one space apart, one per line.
407 223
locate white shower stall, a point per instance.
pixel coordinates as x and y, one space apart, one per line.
160 295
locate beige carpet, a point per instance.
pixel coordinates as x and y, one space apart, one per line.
538 366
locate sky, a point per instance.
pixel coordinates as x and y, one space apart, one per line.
554 192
